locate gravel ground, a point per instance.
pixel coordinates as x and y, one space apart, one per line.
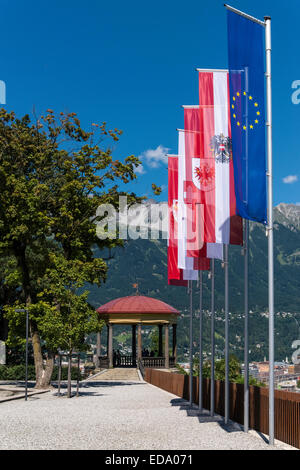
116 415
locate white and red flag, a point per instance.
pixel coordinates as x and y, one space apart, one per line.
193 212
185 262
209 166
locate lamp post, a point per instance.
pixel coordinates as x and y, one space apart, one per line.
25 310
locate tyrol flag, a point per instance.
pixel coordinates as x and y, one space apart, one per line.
247 82
209 165
186 239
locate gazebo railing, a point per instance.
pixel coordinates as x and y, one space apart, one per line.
124 361
103 362
130 361
157 362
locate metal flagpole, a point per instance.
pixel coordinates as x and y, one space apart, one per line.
212 372
241 13
270 230
200 341
191 342
246 261
246 331
226 336
26 359
26 311
267 24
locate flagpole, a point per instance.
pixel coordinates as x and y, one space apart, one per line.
267 24
212 372
200 341
246 279
245 15
246 328
270 229
226 336
191 342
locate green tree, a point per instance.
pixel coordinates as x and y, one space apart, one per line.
53 176
234 369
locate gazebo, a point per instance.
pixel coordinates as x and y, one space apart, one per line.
138 310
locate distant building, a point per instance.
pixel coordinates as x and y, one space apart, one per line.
294 369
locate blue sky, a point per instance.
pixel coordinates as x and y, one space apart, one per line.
132 64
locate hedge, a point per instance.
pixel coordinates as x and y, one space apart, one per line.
17 372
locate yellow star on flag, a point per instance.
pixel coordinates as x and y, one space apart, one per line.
256 121
256 104
238 123
250 98
251 126
258 113
237 94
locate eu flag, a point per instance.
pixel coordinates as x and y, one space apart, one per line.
247 107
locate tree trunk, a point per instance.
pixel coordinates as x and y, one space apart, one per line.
43 374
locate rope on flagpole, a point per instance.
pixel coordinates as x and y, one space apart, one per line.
200 341
191 342
226 335
212 372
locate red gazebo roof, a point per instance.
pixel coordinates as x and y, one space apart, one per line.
137 304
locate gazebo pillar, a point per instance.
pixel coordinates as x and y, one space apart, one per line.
98 350
133 345
139 355
167 362
160 341
174 354
110 345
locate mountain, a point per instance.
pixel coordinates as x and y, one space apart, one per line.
145 262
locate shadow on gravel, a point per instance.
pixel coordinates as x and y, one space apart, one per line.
16 383
109 384
204 417
81 394
262 436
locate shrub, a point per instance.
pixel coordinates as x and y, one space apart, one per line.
17 372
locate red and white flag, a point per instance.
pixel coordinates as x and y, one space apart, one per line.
176 276
209 166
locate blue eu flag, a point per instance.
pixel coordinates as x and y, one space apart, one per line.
247 107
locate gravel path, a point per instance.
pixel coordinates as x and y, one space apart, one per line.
116 415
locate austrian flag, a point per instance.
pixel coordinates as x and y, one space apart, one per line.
209 165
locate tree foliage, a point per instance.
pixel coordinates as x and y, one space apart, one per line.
54 174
